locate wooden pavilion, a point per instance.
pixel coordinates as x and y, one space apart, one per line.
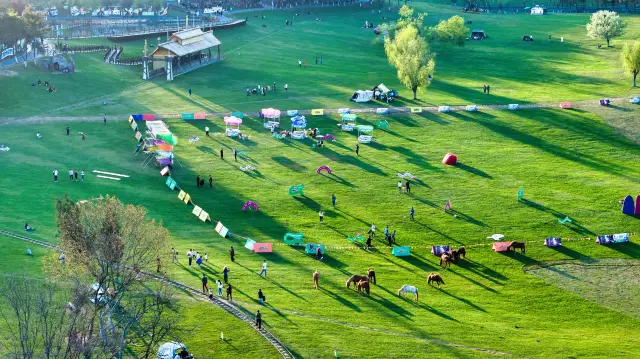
185 51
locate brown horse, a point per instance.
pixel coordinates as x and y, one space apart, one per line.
363 285
459 253
436 278
316 279
446 260
371 276
515 245
355 279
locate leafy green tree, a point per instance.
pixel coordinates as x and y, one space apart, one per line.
630 57
409 53
451 31
408 17
11 27
606 25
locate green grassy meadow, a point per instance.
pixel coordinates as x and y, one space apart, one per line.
573 163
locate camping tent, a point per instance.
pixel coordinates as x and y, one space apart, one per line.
478 35
170 350
382 92
362 96
538 10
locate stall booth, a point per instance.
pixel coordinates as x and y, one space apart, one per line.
365 133
298 125
271 117
348 122
232 125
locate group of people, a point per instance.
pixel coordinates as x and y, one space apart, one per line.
73 175
49 87
486 89
192 256
404 188
200 181
264 89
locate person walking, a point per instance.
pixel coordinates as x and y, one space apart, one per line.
219 288
319 255
305 63
286 87
84 135
386 231
333 200
82 175
174 255
488 89
206 131
259 320
198 181
316 60
248 92
412 212
373 230
67 130
75 175
321 61
408 186
222 153
264 268
274 86
71 175
357 149
105 119
229 292
190 257
232 254
235 154
206 258
316 279
321 214
369 239
205 283
393 237
399 186
189 91
225 274
388 237
55 175
484 89
210 181
261 296
300 63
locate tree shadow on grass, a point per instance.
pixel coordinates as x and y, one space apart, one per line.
465 301
573 254
483 286
419 262
339 180
433 117
438 232
290 164
573 225
481 270
418 304
415 158
391 306
467 218
473 170
345 302
308 202
393 133
205 149
352 160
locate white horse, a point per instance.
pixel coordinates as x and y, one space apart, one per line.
408 289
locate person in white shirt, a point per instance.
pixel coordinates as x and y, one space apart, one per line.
55 175
321 214
38 135
71 175
264 269
206 131
219 288
190 256
399 186
373 230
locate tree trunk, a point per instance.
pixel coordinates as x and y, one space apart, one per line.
414 94
608 42
635 74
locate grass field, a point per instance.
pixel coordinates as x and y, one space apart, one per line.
569 162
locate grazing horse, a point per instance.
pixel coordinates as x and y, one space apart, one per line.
371 275
436 278
316 278
408 289
515 245
459 253
355 279
446 260
363 285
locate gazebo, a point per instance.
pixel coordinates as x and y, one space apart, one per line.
185 51
232 125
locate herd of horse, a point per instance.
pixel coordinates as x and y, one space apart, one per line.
363 283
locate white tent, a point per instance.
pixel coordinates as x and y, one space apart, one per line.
170 350
538 10
362 96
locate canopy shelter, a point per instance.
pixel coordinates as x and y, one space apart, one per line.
232 125
348 122
159 146
185 51
271 117
365 133
298 124
478 35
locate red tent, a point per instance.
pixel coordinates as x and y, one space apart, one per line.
501 246
450 159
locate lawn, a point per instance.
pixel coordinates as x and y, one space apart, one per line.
518 72
567 162
571 163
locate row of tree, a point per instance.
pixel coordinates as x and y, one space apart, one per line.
27 25
94 302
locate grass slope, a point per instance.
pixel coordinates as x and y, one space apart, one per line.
567 162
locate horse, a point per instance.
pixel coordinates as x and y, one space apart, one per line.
459 253
515 245
408 289
363 285
436 278
316 278
355 279
371 275
446 260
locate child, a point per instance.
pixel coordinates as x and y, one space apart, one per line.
206 257
82 175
